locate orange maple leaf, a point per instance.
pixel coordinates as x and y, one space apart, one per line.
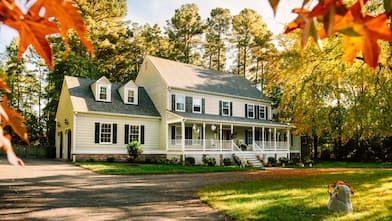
328 9
361 33
16 122
304 22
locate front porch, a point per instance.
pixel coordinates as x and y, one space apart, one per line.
191 137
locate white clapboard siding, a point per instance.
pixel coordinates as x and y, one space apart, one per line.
85 132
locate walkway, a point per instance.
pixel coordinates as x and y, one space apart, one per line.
53 190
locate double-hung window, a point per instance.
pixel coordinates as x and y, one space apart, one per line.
131 96
262 112
196 105
225 108
103 93
134 133
105 133
180 103
251 111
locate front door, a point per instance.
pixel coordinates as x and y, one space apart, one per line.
69 144
188 135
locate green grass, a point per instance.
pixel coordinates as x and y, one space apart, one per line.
129 169
340 164
304 198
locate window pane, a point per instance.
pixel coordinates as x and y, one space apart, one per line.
262 112
102 93
250 111
106 133
180 103
131 96
197 104
225 108
133 133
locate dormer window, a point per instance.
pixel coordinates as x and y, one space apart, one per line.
103 93
131 96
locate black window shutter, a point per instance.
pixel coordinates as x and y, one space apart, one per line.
173 102
257 111
142 134
188 104
114 133
203 104
126 134
220 108
173 132
246 110
246 136
96 132
266 112
231 108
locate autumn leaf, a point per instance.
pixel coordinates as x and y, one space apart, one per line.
361 33
274 5
4 86
67 16
5 144
304 22
16 122
328 10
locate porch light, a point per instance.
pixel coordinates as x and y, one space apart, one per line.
213 127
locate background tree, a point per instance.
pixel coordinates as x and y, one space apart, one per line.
182 30
218 26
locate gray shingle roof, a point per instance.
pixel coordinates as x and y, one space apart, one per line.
217 118
116 106
186 76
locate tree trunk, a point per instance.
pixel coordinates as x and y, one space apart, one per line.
244 62
315 143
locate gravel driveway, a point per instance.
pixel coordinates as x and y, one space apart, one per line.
54 190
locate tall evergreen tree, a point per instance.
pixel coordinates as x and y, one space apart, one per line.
218 25
182 30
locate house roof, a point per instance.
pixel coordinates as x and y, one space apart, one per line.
191 77
83 99
231 119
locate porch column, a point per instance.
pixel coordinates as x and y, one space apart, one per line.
183 140
275 138
220 137
262 138
288 139
204 137
167 136
231 136
253 137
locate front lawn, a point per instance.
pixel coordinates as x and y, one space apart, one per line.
304 198
340 164
128 169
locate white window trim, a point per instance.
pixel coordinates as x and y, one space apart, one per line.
108 92
139 135
177 96
254 111
265 107
111 132
193 105
135 96
228 107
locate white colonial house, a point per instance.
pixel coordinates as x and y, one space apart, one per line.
175 110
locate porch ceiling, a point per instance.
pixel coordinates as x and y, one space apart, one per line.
209 118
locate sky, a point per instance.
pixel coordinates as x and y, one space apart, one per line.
158 11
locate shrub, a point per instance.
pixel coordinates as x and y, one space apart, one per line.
210 161
110 159
164 161
174 161
283 161
90 160
190 161
227 162
134 149
272 160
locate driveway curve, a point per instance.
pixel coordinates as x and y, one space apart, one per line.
54 190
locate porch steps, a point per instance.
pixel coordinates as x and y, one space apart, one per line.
250 158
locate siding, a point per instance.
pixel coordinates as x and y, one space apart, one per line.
212 102
156 87
64 111
85 132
